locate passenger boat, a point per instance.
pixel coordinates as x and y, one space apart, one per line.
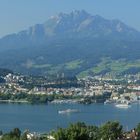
125 104
67 111
122 105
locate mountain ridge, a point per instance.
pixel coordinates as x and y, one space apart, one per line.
76 37
75 21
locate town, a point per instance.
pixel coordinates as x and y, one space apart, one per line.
91 89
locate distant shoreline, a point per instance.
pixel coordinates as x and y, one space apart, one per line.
55 101
13 101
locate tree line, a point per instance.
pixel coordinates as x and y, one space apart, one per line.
79 131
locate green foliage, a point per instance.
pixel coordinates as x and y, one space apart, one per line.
60 134
78 131
138 128
24 136
36 99
31 98
13 135
107 65
110 130
73 64
138 131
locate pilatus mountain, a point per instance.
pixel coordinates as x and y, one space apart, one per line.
77 43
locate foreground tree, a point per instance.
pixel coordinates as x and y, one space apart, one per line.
78 131
138 131
60 134
110 131
13 135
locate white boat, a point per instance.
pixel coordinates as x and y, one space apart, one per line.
67 111
108 102
122 105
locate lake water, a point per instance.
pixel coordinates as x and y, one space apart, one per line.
43 118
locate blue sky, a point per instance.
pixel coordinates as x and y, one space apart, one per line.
16 15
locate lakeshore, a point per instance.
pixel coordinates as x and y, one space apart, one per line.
13 101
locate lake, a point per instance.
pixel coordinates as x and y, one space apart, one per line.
43 118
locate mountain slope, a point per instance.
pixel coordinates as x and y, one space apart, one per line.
70 44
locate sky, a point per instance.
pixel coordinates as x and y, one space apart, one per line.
17 15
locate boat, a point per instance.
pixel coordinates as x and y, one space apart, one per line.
68 111
108 102
123 104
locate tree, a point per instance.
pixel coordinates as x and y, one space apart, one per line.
13 135
93 132
1 132
110 131
60 134
77 131
16 132
24 136
138 131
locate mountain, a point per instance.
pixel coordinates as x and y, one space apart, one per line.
77 43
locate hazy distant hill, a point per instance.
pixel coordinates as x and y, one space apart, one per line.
76 43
